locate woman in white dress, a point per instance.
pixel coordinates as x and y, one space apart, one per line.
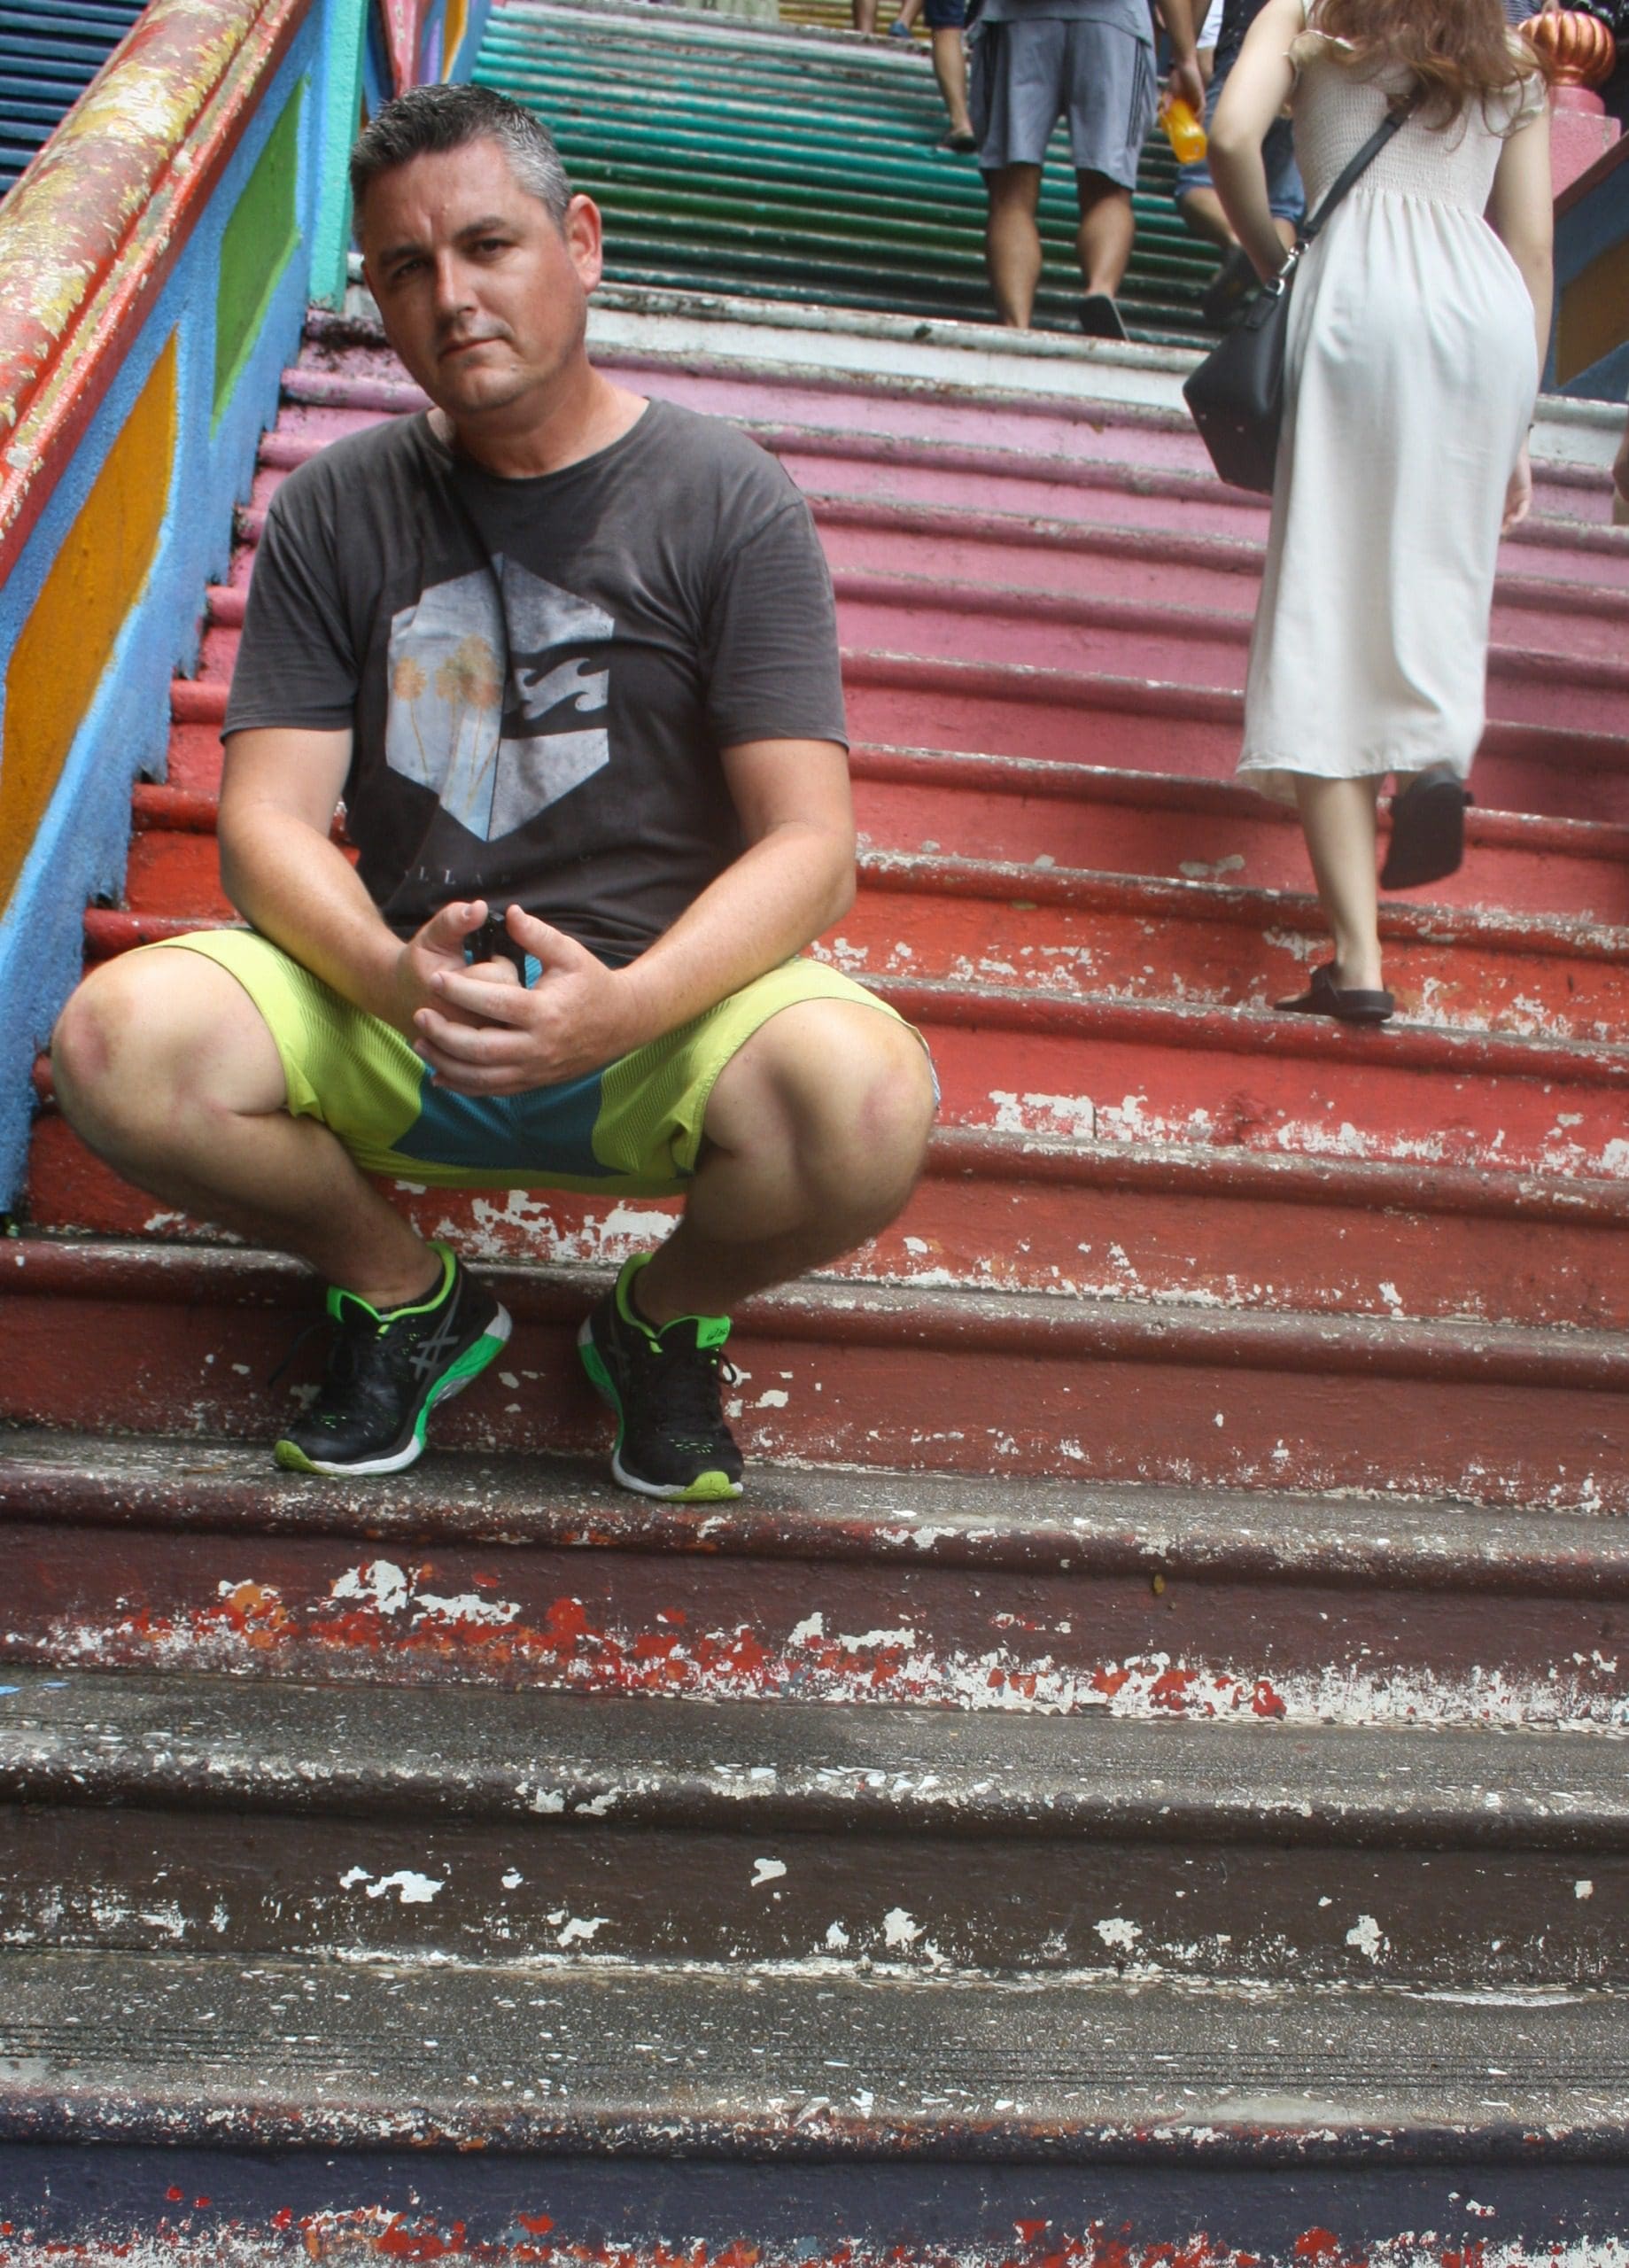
1417 331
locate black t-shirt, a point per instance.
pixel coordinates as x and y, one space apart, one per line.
1237 18
540 673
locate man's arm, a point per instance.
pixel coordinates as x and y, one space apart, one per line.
282 871
1182 19
794 879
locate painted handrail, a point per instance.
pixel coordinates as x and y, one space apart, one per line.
97 221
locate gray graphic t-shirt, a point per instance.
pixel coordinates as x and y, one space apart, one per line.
540 673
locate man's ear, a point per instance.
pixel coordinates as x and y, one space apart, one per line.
584 231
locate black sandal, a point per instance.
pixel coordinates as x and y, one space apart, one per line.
1428 830
1348 1004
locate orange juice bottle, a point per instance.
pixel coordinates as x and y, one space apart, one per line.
1182 130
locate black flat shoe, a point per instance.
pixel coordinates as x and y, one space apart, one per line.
1428 831
1348 1004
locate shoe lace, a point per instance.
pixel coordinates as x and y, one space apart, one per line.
686 1386
344 1367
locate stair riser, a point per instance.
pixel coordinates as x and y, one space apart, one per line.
1199 652
913 705
722 1629
909 701
1256 850
1126 1087
940 1402
1037 490
1120 948
989 562
1012 1232
1189 655
250 1887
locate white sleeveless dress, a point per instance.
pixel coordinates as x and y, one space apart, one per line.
1412 373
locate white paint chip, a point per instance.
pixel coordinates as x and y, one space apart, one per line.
898 1930
414 1889
1367 1935
766 1870
1583 1890
1118 1933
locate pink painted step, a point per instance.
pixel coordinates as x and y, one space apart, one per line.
1131 724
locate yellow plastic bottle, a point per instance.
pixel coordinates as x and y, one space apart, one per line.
1182 130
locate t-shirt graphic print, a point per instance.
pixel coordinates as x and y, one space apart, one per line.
499 694
539 675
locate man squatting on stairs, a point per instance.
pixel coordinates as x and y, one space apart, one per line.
571 659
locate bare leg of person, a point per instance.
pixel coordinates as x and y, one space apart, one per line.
951 70
164 1068
1203 216
1013 242
865 15
1107 232
815 1134
1338 819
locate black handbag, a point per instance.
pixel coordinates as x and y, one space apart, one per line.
1236 395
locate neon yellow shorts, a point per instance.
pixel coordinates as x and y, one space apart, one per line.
635 1127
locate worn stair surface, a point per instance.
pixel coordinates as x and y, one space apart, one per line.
1141 1776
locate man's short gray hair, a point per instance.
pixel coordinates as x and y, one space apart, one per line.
428 120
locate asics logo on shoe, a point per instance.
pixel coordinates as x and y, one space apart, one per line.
426 1356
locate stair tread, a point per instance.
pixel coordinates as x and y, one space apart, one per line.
787 1766
795 2060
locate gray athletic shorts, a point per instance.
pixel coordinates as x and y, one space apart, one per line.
1027 75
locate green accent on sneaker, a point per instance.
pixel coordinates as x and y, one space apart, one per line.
292 1458
337 1298
711 1330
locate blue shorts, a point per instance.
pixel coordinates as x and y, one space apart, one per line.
944 15
1284 192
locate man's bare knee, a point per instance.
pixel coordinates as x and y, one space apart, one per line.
850 1090
147 1034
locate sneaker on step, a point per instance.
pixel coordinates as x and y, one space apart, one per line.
387 1372
666 1388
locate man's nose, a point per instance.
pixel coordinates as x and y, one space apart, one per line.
453 295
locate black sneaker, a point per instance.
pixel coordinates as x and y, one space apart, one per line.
387 1373
665 1385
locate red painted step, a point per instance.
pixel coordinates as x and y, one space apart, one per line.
936 1381
1057 814
871 1588
1102 933
1199 1228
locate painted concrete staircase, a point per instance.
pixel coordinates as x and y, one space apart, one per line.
1160 1707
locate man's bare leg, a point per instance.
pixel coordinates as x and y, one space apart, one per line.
1203 216
1013 242
865 15
164 1069
815 1134
1107 229
951 70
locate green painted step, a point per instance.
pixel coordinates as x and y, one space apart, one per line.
775 167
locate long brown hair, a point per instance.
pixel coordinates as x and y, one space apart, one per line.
1458 51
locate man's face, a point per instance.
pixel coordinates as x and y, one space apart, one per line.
483 296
